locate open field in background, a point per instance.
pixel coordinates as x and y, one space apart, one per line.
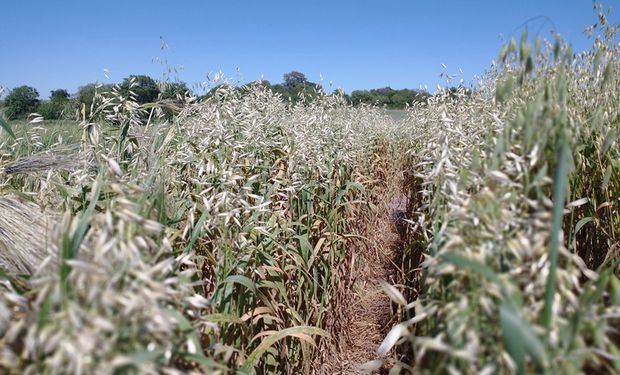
396 114
475 233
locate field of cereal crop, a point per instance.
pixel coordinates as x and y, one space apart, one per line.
476 232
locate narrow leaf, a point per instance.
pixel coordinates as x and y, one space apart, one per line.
253 358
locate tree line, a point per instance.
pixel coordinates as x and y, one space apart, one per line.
23 100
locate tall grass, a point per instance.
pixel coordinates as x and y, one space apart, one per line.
218 240
514 217
220 236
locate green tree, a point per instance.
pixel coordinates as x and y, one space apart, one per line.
172 90
60 95
144 88
361 97
20 102
294 79
86 94
340 93
396 99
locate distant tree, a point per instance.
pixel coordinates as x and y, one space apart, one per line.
385 91
362 97
20 102
403 98
388 97
54 108
143 87
456 92
174 93
60 95
295 88
294 79
340 92
86 94
51 110
171 90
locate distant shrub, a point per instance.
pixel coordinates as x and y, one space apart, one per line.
58 104
50 110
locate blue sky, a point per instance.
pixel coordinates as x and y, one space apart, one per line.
354 44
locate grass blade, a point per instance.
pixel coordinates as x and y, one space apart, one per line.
267 342
559 194
7 128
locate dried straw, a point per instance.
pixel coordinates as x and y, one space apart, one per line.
61 158
24 233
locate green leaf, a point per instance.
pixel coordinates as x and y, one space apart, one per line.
223 318
197 229
187 329
503 53
523 45
7 128
350 186
606 177
305 247
84 223
44 313
529 65
581 223
519 338
559 196
557 48
243 280
144 356
206 362
597 59
482 269
268 341
71 242
610 138
607 74
511 334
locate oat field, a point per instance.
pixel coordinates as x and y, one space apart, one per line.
478 233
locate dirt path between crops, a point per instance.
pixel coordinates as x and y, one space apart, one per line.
369 312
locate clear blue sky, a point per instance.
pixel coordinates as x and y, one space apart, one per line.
357 44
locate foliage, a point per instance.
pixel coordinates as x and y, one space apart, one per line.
294 79
221 239
20 102
142 89
395 99
512 218
212 243
90 95
175 90
51 110
297 91
59 95
56 107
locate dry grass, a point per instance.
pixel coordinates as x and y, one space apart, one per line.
230 224
512 182
24 236
60 158
249 234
